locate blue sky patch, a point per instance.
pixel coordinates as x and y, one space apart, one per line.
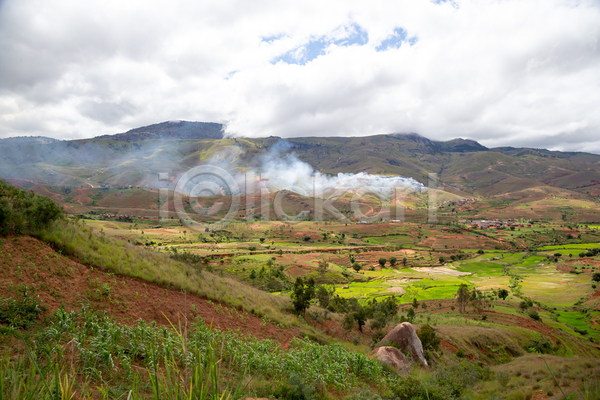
270 39
396 40
351 35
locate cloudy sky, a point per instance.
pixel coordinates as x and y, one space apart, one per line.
506 72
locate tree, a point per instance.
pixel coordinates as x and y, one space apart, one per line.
360 317
348 322
415 304
462 296
253 275
410 315
324 296
429 339
393 261
323 267
356 266
442 260
262 240
303 294
503 294
596 277
404 260
382 261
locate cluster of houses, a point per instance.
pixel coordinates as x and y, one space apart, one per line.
460 202
497 224
126 216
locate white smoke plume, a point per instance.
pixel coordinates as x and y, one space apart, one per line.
284 170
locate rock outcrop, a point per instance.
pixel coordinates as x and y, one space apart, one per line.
392 357
404 336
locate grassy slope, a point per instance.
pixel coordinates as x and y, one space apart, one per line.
124 258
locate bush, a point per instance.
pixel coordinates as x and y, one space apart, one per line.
21 314
533 314
540 345
25 212
295 389
449 382
428 338
502 377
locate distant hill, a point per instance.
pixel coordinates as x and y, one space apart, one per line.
137 156
170 130
28 140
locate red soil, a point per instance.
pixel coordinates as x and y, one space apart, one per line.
61 281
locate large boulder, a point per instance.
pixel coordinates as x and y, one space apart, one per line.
405 338
392 357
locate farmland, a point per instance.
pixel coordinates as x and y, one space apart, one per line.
160 292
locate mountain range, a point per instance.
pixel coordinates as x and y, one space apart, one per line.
137 156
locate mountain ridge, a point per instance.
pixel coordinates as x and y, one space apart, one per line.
138 155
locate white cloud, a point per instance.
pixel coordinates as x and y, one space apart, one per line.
511 72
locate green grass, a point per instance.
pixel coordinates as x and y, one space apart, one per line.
584 246
124 258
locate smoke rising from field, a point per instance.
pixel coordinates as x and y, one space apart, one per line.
284 170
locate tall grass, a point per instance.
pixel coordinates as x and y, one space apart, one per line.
121 257
168 363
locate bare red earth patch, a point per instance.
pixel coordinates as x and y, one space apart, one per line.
61 281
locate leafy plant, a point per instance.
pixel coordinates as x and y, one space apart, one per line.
22 313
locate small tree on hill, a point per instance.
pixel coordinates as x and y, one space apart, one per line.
596 277
322 267
356 266
303 294
503 294
410 315
404 260
382 261
463 296
324 296
360 317
393 261
415 304
429 339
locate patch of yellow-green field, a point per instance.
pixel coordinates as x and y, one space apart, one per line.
487 283
362 291
507 310
560 202
547 319
583 246
556 289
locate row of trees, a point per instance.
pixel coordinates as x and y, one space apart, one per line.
25 212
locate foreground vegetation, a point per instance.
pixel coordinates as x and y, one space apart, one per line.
515 316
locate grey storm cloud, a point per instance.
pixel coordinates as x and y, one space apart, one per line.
505 73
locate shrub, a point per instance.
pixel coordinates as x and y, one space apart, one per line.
428 338
21 314
533 314
502 377
25 212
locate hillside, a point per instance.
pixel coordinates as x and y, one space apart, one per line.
96 306
135 157
170 130
119 173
